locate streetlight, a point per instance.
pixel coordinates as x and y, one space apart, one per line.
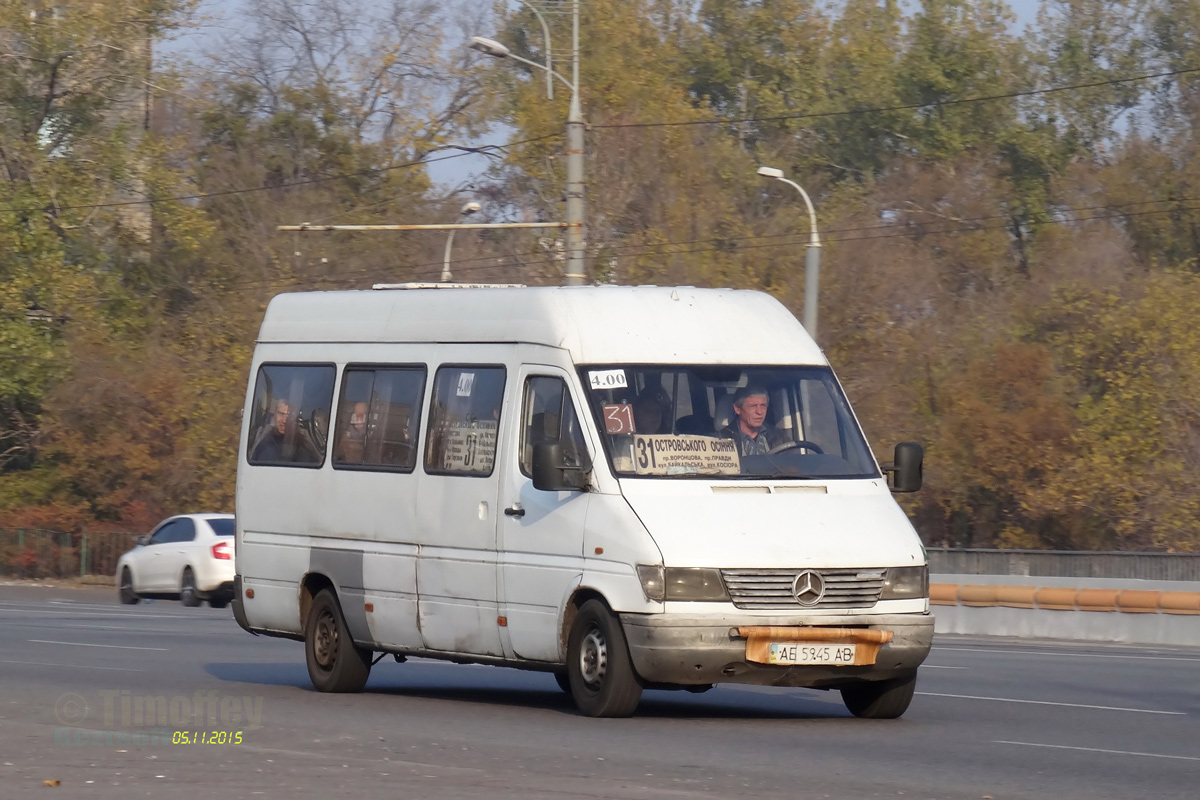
812 258
575 275
466 211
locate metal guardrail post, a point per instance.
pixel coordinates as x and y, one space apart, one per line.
83 553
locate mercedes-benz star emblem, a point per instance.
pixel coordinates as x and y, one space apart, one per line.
808 588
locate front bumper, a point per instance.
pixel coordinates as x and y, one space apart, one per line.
702 650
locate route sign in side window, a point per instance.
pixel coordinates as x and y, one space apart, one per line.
549 416
464 417
290 415
379 418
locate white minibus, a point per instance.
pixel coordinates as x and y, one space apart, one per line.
629 487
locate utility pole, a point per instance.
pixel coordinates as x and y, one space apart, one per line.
576 274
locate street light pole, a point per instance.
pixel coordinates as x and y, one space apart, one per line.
466 211
575 272
575 275
812 257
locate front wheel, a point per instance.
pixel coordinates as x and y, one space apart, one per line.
335 662
880 699
187 589
125 593
603 682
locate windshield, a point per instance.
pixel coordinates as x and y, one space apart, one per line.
726 422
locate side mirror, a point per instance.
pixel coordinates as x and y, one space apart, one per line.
906 469
552 474
142 540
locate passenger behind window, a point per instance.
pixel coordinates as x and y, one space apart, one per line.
280 440
352 442
652 412
271 440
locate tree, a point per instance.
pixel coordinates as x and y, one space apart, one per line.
75 159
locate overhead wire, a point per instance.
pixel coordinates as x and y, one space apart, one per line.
902 107
413 270
293 184
873 232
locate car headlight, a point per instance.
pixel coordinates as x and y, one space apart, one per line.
681 584
905 583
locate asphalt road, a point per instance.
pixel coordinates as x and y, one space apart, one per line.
91 694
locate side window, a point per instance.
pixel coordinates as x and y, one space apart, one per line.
290 415
820 417
464 416
184 530
549 416
379 415
163 534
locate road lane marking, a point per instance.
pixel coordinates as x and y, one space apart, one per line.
153 630
1063 654
74 666
113 646
1098 750
939 666
1052 703
113 615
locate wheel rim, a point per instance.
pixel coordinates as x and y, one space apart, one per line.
593 658
325 639
189 587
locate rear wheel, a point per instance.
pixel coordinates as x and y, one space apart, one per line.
602 680
187 589
335 662
217 602
880 699
563 680
125 592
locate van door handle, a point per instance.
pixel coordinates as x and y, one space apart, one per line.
514 511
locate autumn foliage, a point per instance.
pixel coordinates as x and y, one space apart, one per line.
1010 276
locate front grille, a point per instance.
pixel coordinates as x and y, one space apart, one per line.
772 588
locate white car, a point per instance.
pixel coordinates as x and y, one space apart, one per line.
189 557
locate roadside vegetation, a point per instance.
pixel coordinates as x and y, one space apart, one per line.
1010 224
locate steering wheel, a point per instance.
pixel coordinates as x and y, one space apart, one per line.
780 448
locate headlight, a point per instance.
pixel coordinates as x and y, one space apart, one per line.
905 583
678 583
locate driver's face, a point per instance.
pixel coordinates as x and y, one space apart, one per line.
281 417
753 412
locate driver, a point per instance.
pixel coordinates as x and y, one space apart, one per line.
754 436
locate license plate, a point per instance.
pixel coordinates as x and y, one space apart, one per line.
789 653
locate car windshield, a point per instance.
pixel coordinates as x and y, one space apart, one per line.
726 422
222 526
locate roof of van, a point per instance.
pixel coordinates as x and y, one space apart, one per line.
597 324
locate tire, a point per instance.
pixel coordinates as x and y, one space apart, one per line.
335 663
603 682
563 680
187 589
125 592
880 699
217 602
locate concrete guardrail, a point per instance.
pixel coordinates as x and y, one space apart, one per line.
1129 601
1013 607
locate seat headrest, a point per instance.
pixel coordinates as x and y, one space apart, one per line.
723 417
